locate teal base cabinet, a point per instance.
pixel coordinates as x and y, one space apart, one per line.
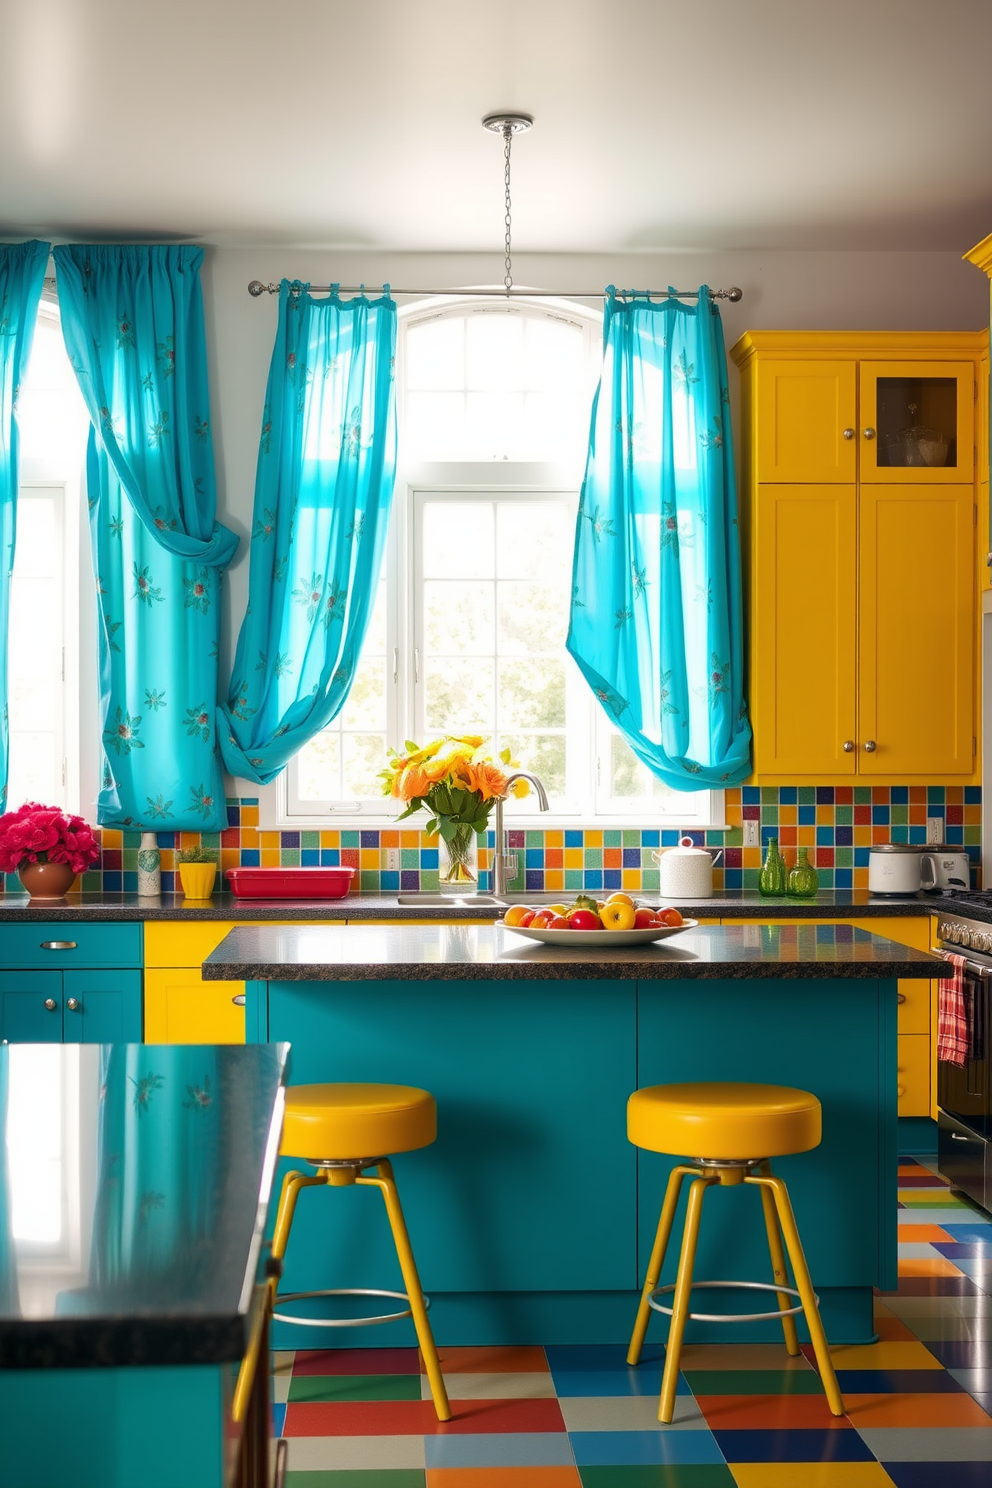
117 1428
532 1217
68 983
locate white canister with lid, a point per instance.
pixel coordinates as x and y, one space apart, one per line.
895 868
687 870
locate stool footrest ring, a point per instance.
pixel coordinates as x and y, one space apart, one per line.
732 1317
356 1322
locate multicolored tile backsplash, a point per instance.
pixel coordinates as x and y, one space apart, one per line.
837 823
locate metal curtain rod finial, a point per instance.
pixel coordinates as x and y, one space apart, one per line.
257 288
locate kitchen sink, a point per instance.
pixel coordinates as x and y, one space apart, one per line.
450 901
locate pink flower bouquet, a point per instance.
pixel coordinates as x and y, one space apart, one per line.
44 834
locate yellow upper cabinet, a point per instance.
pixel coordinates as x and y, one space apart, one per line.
807 420
859 502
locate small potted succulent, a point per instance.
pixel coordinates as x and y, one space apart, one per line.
46 848
197 871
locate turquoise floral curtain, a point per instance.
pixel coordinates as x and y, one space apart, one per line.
323 491
132 319
22 273
656 621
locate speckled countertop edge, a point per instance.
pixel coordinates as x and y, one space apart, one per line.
110 908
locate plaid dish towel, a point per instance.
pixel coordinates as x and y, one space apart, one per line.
952 1020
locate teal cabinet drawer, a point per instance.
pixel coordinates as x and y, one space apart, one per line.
51 945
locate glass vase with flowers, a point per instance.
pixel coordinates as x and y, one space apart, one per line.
46 848
458 783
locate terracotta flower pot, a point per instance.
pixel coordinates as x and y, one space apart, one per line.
46 880
197 879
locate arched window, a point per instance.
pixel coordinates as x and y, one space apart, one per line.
468 633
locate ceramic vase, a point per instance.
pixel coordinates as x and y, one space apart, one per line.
197 879
149 867
46 880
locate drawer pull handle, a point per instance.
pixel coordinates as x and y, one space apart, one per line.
74 1005
51 1004
900 1090
900 997
239 1001
956 1138
58 945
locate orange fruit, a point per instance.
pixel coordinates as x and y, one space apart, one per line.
515 914
670 917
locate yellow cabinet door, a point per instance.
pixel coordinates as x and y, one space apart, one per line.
895 396
916 686
913 1075
181 1008
807 421
804 630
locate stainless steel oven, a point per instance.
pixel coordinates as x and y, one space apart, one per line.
964 1093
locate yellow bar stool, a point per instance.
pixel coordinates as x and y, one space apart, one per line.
730 1123
339 1122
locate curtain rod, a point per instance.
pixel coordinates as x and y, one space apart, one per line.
256 288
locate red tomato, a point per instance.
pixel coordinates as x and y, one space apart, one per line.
645 919
584 919
527 919
560 922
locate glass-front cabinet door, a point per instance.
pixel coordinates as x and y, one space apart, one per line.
917 422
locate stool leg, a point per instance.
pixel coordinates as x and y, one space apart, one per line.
680 1305
291 1185
779 1274
804 1286
661 1239
411 1280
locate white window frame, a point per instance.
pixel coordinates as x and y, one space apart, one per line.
279 803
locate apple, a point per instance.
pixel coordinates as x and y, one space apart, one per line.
618 916
621 899
670 917
644 919
527 919
560 922
584 919
541 920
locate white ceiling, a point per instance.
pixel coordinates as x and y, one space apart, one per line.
660 124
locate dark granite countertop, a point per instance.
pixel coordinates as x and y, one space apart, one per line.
829 904
491 953
142 1246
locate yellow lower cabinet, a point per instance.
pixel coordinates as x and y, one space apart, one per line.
181 1008
913 1078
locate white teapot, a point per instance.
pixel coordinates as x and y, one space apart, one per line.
686 870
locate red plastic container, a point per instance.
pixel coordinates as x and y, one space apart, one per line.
290 883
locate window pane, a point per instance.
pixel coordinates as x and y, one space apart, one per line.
628 777
534 540
434 426
35 767
458 540
532 617
364 757
34 1144
554 360
459 617
494 350
34 652
318 767
544 756
366 705
459 694
532 693
435 354
494 426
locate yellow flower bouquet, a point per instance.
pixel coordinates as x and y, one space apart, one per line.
458 783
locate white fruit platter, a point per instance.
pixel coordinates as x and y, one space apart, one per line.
585 938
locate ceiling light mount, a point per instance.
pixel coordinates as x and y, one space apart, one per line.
507 125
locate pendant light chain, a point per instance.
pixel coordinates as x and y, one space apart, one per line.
507 262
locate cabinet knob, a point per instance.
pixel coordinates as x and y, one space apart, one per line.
848 746
900 997
848 433
239 1001
51 1004
58 945
869 433
870 746
73 1004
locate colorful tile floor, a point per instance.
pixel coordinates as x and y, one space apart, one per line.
575 1416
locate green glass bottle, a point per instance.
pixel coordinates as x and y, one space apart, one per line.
772 880
804 879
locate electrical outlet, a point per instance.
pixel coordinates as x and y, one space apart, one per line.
392 859
752 833
935 828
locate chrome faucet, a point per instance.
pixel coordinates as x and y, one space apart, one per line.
505 864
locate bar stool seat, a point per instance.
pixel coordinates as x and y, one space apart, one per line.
731 1129
340 1129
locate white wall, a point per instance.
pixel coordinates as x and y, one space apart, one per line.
782 291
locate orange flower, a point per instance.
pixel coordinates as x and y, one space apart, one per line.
413 782
490 780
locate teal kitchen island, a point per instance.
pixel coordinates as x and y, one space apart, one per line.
532 1216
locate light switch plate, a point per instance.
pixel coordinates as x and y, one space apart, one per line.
751 833
392 859
935 828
